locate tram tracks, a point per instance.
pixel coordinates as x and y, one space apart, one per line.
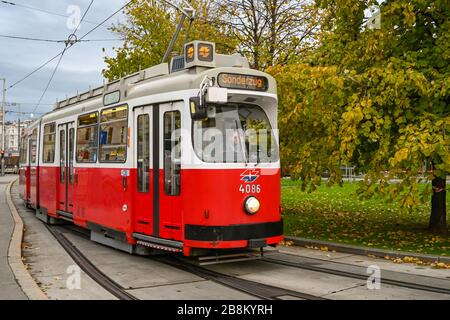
252 288
354 275
88 267
256 289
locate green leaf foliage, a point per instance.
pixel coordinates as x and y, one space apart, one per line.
377 99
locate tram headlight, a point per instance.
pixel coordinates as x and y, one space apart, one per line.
251 205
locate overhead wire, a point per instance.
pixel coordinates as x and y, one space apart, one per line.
34 71
41 10
24 103
109 17
68 44
54 40
56 56
82 18
22 112
50 80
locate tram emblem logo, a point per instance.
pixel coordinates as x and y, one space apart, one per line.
250 175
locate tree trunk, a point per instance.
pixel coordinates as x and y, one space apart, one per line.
438 218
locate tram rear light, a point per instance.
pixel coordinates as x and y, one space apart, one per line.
251 205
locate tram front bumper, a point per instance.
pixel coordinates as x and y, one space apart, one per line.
253 235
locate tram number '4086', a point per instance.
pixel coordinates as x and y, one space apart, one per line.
250 188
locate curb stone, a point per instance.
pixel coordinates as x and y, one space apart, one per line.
23 277
352 249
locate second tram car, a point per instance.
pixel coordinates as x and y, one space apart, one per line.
180 157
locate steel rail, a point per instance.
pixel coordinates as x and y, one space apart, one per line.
256 289
353 275
253 288
89 268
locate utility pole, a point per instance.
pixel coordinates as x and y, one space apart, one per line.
18 131
3 126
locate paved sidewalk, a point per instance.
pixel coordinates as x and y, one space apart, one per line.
10 290
47 261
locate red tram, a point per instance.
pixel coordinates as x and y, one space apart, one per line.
180 157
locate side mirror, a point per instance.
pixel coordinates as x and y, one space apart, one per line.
198 109
217 95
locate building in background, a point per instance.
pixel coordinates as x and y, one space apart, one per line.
12 135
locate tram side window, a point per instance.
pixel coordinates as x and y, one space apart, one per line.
71 151
62 156
143 152
48 155
23 150
33 143
172 153
87 137
114 134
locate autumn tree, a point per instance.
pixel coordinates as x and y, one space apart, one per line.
374 98
149 28
269 32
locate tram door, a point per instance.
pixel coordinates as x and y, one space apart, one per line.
170 170
144 206
157 161
33 168
66 140
27 168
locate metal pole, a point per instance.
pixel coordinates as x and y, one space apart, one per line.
174 39
18 130
187 11
3 125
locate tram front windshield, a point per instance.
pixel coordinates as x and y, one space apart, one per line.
235 133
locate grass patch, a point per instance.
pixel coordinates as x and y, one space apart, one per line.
334 214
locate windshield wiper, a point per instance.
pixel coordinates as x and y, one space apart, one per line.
240 143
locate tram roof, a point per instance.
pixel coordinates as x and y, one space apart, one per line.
158 79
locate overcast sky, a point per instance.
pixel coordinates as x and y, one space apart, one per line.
81 65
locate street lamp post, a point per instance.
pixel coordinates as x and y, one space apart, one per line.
3 125
18 129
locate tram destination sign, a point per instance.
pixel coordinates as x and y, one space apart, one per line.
242 81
